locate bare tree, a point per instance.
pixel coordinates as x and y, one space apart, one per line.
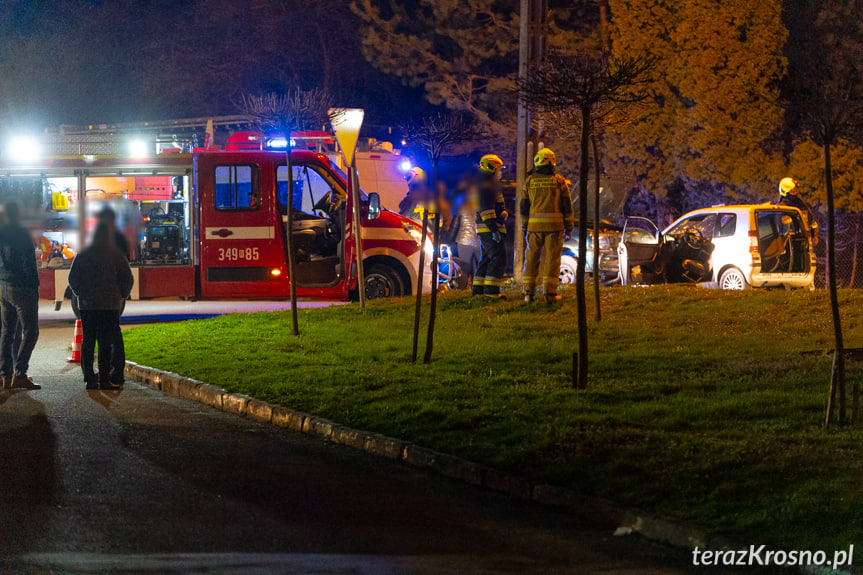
563 126
434 135
595 87
294 110
824 99
437 133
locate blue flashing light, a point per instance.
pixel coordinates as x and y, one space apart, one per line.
405 165
280 143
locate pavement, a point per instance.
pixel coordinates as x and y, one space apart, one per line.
174 309
134 481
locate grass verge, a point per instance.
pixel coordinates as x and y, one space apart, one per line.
702 404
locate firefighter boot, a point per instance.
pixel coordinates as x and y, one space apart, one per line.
551 298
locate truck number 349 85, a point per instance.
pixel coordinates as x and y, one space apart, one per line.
235 254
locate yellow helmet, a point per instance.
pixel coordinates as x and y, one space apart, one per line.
786 185
544 157
415 176
490 163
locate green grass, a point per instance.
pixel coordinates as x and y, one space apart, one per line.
701 404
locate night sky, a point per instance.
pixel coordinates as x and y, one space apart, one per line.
80 62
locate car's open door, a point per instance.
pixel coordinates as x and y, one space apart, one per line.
638 251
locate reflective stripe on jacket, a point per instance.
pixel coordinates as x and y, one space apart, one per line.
491 216
546 206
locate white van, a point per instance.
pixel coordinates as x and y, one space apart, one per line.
730 247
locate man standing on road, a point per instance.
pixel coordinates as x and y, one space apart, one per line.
19 299
546 216
491 228
101 279
108 217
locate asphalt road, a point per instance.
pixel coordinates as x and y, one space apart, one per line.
136 482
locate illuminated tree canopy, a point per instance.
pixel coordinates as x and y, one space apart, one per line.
719 68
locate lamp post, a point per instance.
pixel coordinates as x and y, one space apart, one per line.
346 124
531 51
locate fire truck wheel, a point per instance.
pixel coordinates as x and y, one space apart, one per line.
383 281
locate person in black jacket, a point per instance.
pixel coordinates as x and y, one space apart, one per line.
118 348
19 299
101 279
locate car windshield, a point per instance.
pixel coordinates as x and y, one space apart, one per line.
344 178
612 196
704 223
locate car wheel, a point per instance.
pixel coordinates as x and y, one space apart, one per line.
732 278
383 281
568 267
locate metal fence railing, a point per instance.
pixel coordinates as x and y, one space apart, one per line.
849 251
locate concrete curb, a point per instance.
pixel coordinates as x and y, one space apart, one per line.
592 508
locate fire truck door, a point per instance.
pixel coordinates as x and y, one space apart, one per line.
240 255
318 220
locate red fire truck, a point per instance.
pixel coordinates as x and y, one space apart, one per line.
211 224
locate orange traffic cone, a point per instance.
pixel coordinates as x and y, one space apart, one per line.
76 343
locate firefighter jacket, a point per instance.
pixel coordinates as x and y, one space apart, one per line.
546 205
492 215
795 201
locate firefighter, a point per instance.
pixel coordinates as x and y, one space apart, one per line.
788 197
546 216
491 229
414 202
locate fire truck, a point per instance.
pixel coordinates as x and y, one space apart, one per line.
211 223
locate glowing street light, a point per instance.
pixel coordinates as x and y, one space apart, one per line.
21 149
138 149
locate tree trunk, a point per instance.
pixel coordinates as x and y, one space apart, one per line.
289 238
420 286
596 172
837 377
433 305
853 281
581 305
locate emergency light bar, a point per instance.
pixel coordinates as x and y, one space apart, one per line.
280 143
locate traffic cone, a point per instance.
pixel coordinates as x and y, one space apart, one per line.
76 343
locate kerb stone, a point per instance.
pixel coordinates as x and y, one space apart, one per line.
288 418
259 410
235 403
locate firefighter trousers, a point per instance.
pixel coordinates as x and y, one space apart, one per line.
492 264
542 256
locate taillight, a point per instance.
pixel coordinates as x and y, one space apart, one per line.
753 242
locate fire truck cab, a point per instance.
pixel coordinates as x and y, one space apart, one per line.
211 224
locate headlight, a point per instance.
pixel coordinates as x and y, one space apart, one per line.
417 237
603 242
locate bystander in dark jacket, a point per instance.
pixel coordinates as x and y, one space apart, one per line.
118 353
101 279
19 299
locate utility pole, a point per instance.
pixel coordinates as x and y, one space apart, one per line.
531 52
